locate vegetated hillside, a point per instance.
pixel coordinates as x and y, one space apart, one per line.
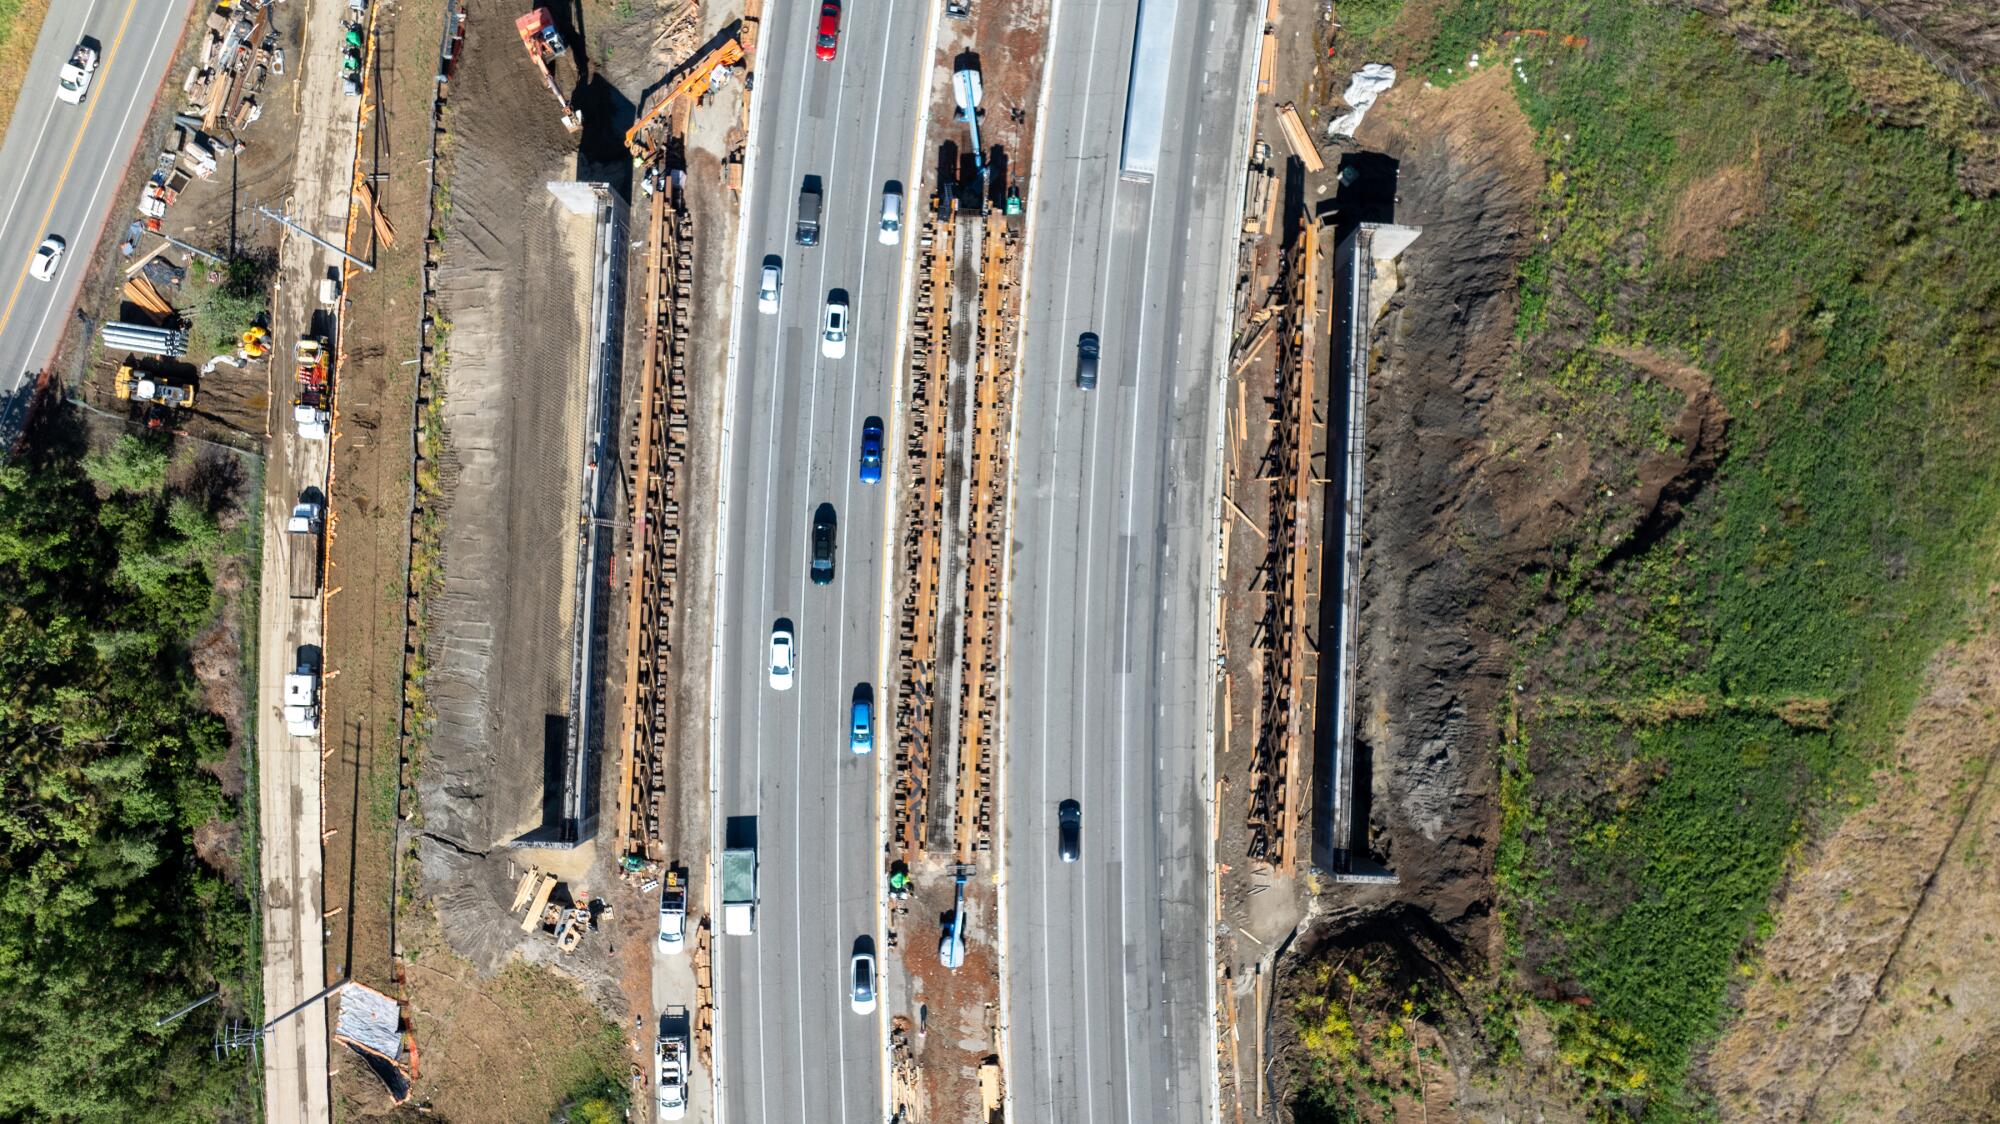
1764 306
113 775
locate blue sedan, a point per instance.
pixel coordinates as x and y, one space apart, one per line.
861 729
871 451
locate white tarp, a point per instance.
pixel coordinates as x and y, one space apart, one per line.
1362 90
371 1019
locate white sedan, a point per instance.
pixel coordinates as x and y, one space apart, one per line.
48 256
784 656
833 345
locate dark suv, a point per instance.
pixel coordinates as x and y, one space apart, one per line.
1086 361
1069 830
822 544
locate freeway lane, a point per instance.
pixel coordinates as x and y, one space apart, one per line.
61 164
789 1048
1110 664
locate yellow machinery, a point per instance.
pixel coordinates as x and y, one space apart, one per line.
644 138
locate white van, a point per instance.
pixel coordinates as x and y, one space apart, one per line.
892 217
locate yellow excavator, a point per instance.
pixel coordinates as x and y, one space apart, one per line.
647 138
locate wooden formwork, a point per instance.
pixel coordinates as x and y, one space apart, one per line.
916 685
1284 633
659 449
979 682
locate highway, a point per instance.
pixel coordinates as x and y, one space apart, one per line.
788 1046
1110 654
62 165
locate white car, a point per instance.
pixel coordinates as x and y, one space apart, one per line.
48 256
863 996
834 343
767 290
784 656
73 82
892 218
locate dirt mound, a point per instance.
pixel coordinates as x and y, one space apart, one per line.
1449 510
1881 958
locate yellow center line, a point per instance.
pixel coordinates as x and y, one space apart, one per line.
89 108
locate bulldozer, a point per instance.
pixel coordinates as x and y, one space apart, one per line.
648 138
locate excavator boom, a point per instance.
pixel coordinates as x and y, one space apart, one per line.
640 139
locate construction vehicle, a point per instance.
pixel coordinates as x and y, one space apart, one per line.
647 138
302 702
670 1065
310 399
135 385
547 50
302 536
739 891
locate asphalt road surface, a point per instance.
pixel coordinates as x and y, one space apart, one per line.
62 164
1110 656
789 1047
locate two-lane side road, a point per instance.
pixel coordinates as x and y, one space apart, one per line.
61 165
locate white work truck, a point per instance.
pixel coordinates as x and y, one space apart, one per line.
302 702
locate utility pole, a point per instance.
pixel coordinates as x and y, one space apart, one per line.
290 225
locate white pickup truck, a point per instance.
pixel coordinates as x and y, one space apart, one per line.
302 702
74 81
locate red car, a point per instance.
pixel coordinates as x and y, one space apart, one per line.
829 31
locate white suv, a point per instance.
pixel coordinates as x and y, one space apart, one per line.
767 289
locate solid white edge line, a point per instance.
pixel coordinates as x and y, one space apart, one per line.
1226 312
1005 1030
731 364
892 458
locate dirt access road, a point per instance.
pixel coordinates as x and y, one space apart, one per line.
289 630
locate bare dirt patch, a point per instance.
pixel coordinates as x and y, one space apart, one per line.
1709 208
1874 995
370 498
504 1048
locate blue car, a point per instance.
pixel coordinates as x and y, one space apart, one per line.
861 728
871 451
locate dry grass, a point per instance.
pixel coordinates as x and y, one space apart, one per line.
20 25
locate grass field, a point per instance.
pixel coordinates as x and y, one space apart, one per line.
1695 711
20 23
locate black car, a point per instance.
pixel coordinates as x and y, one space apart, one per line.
822 548
1086 361
1069 830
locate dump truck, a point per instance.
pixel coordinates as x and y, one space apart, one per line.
670 1066
739 891
551 57
309 397
807 233
144 386
302 702
302 538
